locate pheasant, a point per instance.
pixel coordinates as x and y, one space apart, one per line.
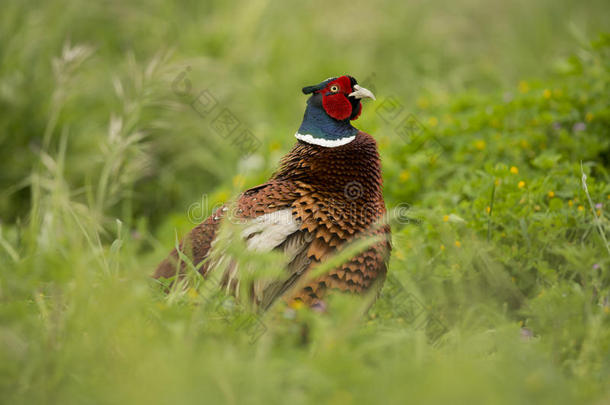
326 194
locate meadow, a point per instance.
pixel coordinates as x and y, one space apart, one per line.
493 123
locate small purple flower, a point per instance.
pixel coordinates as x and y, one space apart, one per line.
598 206
526 334
319 306
596 266
556 126
579 127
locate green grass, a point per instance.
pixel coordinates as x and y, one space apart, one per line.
499 283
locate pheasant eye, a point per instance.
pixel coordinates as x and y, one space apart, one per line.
334 88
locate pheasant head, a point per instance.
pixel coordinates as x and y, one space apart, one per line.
333 104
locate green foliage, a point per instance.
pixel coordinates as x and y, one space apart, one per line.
499 285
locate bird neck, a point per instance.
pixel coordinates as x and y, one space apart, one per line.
319 128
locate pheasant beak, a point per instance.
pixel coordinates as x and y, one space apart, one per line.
361 92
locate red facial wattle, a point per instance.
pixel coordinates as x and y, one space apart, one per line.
337 106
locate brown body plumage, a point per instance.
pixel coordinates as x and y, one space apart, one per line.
335 194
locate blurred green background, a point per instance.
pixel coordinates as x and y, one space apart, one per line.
102 158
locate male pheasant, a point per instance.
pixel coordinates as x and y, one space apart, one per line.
326 194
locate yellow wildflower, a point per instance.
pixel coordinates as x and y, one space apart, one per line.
445 218
551 194
514 170
423 103
524 87
546 93
222 195
192 293
238 181
521 184
275 145
296 304
480 144
458 243
581 208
